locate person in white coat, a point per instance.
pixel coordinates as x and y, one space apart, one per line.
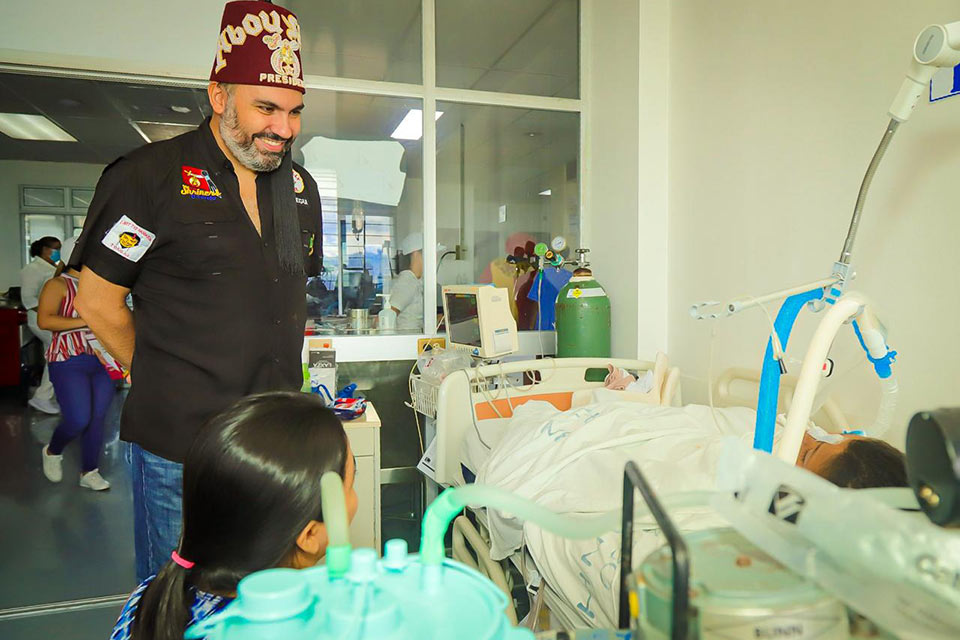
406 291
45 260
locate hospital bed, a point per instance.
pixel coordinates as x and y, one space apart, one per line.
487 396
483 399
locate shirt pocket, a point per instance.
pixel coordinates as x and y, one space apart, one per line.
208 238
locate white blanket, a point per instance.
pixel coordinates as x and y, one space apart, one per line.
572 462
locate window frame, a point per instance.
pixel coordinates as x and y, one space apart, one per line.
429 93
66 213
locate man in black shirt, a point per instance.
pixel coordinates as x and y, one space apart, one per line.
214 233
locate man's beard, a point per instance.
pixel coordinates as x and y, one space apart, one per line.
244 146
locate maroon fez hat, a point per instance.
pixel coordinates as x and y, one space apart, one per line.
259 44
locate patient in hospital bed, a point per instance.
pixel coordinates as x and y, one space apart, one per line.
572 462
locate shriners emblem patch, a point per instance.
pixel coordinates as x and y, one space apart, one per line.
198 185
297 182
283 59
128 239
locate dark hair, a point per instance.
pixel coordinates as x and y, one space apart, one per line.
37 246
403 261
251 483
865 463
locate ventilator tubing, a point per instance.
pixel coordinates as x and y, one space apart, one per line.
770 375
810 373
452 501
888 404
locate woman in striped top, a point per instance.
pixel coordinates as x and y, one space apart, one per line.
83 387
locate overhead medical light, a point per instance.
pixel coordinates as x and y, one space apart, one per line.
546 192
411 127
25 126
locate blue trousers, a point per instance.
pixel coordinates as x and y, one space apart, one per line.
84 391
157 494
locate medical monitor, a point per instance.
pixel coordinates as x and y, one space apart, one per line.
479 320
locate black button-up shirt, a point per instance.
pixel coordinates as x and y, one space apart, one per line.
215 316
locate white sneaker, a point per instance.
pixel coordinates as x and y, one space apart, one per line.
52 465
44 406
94 481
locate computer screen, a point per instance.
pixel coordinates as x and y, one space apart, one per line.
463 321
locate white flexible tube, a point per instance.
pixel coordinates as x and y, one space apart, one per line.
810 373
334 509
452 501
888 404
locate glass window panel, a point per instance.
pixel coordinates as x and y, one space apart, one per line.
78 224
80 198
371 196
365 39
529 47
44 197
506 179
36 226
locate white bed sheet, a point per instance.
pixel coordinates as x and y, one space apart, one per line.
572 462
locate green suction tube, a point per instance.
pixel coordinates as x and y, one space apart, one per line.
335 519
452 501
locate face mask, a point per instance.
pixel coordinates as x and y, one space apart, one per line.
822 436
55 255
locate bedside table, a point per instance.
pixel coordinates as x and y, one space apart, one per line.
364 436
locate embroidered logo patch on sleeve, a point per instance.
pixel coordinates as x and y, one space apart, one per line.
128 239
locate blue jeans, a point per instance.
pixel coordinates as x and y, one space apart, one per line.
157 495
84 391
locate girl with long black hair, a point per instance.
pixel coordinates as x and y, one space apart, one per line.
251 501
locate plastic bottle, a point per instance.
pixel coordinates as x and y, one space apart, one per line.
387 318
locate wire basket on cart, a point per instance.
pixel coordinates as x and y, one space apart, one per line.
424 394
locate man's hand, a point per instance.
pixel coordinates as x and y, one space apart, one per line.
104 307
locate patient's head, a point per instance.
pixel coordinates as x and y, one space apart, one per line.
855 462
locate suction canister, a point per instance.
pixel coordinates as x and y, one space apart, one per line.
357 595
737 592
389 598
583 318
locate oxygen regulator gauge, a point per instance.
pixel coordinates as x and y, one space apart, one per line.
558 244
547 255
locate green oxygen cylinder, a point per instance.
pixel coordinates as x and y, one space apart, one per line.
583 318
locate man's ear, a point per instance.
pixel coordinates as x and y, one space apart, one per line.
217 94
313 539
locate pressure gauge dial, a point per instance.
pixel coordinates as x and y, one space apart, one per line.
558 244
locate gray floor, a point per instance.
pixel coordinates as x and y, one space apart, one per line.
60 542
89 624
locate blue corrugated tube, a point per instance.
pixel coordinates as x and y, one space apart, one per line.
770 375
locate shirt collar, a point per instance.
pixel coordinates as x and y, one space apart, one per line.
43 263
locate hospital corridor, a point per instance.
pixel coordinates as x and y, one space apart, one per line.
445 319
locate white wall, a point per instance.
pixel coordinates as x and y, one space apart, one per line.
775 110
626 199
175 38
12 175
